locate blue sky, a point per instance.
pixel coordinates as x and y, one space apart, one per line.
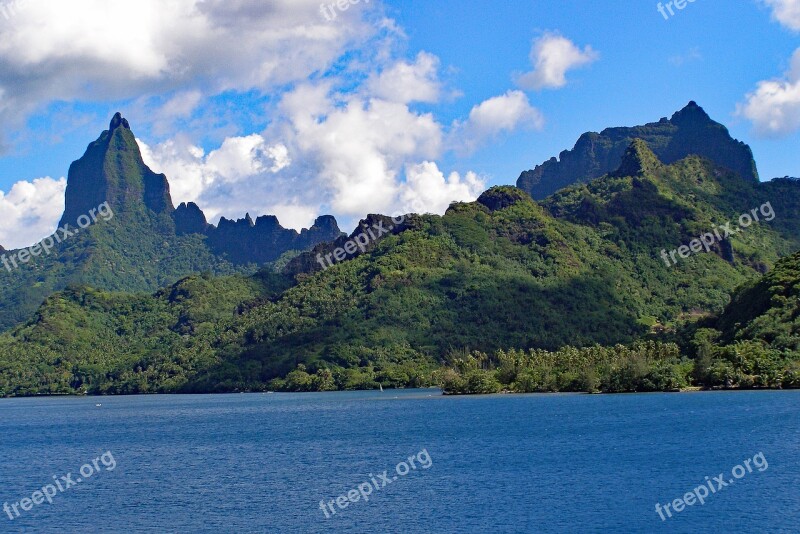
268 107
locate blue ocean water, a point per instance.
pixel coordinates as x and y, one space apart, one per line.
263 462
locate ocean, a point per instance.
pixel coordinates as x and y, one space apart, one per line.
410 461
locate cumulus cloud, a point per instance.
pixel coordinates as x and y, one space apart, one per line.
212 180
774 106
553 56
341 135
360 148
428 191
494 116
30 211
787 12
408 82
111 50
348 154
243 175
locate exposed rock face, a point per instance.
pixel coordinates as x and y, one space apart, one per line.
112 170
690 131
248 241
190 219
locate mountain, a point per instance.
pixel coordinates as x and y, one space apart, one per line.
690 131
757 346
265 240
755 341
121 232
584 267
767 310
112 171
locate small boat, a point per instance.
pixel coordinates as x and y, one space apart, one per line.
381 386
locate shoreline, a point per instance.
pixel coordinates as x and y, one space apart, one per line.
441 392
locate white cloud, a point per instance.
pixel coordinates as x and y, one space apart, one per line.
553 56
112 50
351 154
30 211
358 149
181 105
787 12
494 116
242 176
774 106
428 191
293 214
342 137
219 181
408 82
241 157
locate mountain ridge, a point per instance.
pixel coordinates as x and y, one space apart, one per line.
690 131
576 270
148 243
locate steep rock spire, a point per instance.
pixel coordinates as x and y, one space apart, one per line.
112 170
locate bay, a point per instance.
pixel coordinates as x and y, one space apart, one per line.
506 463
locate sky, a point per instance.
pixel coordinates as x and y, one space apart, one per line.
297 109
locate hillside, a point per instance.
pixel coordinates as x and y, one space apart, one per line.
767 310
582 268
141 242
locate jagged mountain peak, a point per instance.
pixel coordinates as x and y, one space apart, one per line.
692 114
112 170
690 131
117 121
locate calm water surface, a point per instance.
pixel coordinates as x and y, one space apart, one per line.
540 463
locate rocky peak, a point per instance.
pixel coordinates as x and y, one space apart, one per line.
112 170
248 241
118 121
190 219
326 224
689 132
691 115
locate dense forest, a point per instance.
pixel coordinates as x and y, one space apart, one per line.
505 293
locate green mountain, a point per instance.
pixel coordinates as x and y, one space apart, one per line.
754 343
136 241
499 276
767 310
690 131
112 171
